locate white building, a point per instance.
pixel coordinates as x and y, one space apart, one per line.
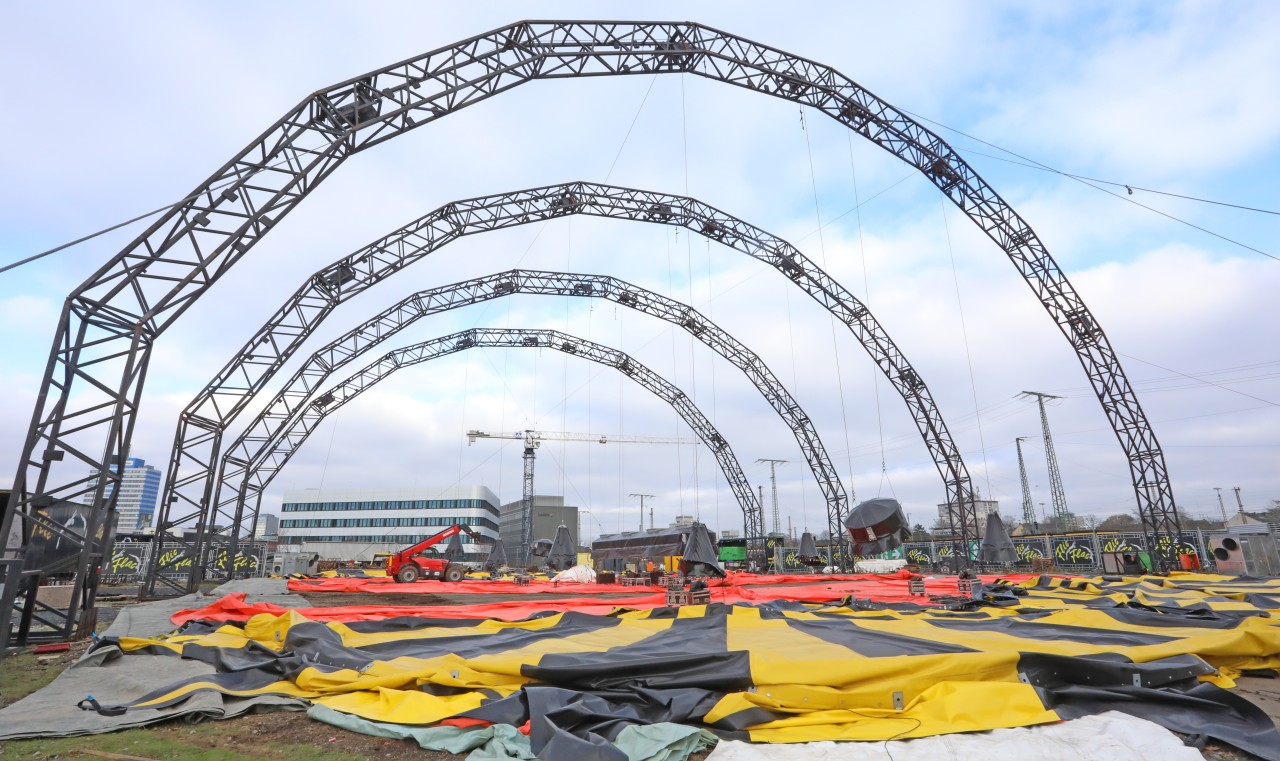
354 524
139 492
981 507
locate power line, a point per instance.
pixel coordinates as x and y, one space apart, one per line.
138 218
1033 164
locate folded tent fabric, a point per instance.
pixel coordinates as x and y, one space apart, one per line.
808 548
453 551
701 551
563 553
497 557
782 672
997 546
877 526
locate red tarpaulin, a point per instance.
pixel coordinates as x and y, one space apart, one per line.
739 588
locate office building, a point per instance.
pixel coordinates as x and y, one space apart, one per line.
981 508
268 527
548 514
355 524
139 493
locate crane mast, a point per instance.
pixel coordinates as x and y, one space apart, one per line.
532 440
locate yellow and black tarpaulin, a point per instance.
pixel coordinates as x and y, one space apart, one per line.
1162 649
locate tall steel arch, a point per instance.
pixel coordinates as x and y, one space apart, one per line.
250 462
93 383
300 425
191 481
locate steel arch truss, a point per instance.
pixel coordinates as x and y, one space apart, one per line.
300 425
251 461
192 467
93 384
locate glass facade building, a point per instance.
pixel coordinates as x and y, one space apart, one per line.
139 493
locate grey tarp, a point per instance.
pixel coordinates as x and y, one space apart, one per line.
52 711
877 525
563 554
808 548
702 551
663 741
453 551
654 543
997 547
497 556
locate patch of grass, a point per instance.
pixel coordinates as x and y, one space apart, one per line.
207 741
23 674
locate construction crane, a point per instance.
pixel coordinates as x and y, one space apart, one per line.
532 440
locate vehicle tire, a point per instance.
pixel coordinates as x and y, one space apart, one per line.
408 573
454 573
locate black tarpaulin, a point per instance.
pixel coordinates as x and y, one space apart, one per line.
453 551
808 548
563 554
497 556
700 553
877 525
654 543
997 547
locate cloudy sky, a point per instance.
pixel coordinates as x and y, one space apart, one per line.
118 109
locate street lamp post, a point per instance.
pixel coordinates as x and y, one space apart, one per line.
642 499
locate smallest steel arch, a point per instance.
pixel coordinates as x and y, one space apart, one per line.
348 389
252 455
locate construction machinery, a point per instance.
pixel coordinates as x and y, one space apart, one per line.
409 565
532 440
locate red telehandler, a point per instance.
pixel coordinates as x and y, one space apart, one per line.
407 567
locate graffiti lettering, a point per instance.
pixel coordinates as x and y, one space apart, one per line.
1180 548
122 563
1070 552
1028 552
242 562
1118 544
174 559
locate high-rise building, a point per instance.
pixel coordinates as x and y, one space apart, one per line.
139 492
355 524
268 527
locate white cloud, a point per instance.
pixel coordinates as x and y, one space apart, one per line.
1171 98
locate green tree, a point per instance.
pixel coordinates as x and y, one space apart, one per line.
1119 522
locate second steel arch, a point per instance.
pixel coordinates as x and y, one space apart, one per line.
197 442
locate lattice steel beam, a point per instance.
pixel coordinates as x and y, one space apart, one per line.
307 418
